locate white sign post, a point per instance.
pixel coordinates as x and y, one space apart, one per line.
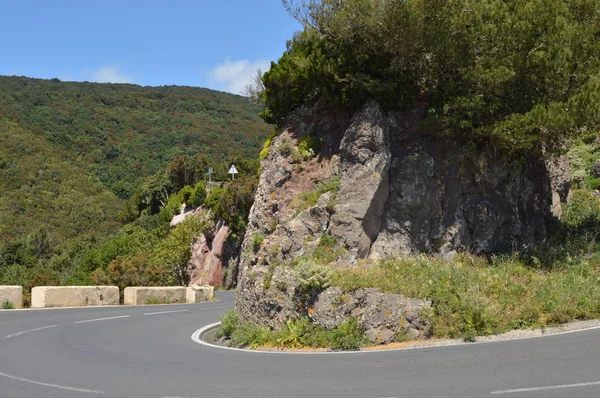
209 171
233 171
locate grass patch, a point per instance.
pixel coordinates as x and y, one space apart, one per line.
269 276
471 297
297 333
328 249
267 145
308 199
8 305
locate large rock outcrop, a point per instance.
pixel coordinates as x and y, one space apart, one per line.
364 184
214 256
214 259
400 192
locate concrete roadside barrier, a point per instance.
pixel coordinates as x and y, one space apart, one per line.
73 296
198 294
141 295
11 296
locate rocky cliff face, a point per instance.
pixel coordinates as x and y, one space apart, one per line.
214 255
400 192
214 259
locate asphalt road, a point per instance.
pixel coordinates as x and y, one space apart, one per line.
148 352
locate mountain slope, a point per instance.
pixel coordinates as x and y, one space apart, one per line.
40 189
121 133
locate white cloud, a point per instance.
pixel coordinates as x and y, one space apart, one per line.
233 76
107 74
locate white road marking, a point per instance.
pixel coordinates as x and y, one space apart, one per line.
39 383
545 388
103 319
28 331
165 312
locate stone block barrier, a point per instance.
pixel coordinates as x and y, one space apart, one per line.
12 295
155 295
198 294
73 296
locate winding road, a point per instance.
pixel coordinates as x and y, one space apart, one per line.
148 352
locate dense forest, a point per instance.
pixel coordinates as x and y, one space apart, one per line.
523 75
90 172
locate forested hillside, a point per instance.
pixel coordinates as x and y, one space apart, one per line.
121 133
101 141
80 160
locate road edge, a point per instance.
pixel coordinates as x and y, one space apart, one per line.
198 334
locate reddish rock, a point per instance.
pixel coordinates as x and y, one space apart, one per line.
206 264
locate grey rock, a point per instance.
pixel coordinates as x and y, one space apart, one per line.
443 199
595 169
413 334
381 314
365 161
559 171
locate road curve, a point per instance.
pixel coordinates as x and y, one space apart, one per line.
148 352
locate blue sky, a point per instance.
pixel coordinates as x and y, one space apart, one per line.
217 44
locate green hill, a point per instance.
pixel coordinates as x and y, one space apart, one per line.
39 188
120 133
72 152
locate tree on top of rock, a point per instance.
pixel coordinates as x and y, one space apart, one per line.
524 74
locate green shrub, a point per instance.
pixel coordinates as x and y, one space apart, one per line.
313 277
355 50
273 224
234 202
269 276
328 250
169 258
309 146
582 209
198 195
402 335
281 286
296 333
213 197
257 241
592 183
248 335
349 336
229 323
471 297
267 145
286 147
8 305
310 198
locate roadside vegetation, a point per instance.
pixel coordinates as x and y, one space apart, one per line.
472 297
297 333
513 74
552 282
8 305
